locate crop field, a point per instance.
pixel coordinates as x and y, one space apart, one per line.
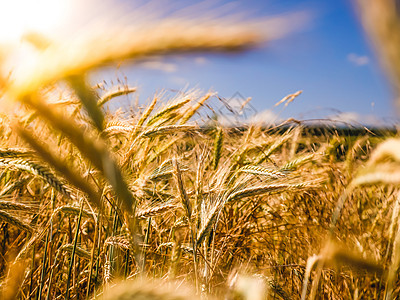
220 210
157 201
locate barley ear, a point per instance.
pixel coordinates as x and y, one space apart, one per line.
154 211
260 170
218 141
6 217
182 192
115 93
38 170
94 149
73 177
167 111
191 111
14 153
168 129
69 248
147 112
208 223
274 147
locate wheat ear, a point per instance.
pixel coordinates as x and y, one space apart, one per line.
94 149
259 170
191 111
167 110
271 149
289 98
168 129
73 177
7 205
119 241
154 211
164 148
76 56
72 211
218 141
14 153
6 217
82 253
182 192
208 222
265 189
119 91
39 170
118 127
297 162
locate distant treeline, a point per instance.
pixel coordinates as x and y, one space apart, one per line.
322 130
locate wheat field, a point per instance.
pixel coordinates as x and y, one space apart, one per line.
155 203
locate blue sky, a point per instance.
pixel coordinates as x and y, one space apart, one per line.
329 59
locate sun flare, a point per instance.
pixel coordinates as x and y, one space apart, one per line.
20 16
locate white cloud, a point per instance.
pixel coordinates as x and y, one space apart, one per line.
346 117
265 117
358 60
201 60
228 121
159 65
178 80
353 118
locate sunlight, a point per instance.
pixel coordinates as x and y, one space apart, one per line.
20 16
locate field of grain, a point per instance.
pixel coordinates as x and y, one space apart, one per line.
155 203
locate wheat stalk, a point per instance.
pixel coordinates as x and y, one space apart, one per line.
88 97
382 23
